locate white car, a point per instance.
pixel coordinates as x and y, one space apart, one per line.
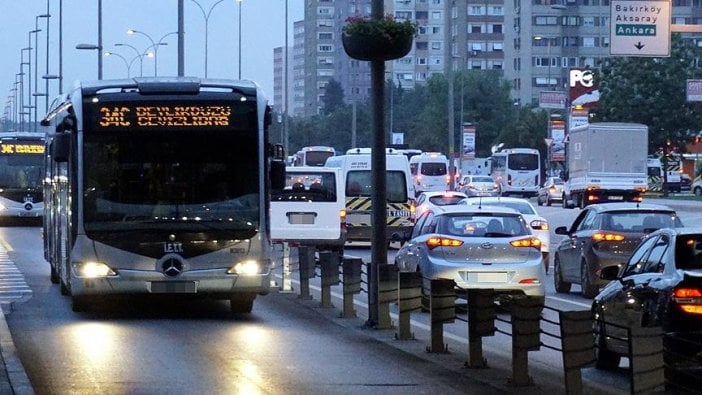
477 185
477 247
430 200
538 224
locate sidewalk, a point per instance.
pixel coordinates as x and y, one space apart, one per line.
13 378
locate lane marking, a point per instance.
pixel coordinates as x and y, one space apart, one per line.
569 301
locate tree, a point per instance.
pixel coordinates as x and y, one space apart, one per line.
651 91
333 97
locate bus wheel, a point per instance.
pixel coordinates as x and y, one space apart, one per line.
241 303
54 275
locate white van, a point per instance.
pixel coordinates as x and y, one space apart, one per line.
430 172
310 210
356 174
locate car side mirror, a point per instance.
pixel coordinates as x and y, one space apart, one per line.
610 273
561 230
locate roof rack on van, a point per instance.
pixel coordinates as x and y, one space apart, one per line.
366 151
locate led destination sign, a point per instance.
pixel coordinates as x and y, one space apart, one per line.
19 148
140 116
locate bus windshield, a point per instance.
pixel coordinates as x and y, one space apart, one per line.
188 178
317 158
523 162
21 171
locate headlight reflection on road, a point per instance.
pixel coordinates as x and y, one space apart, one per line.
248 376
96 341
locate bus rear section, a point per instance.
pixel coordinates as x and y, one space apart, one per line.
517 171
356 173
315 156
21 176
429 172
161 187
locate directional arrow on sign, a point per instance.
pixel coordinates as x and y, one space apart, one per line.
639 46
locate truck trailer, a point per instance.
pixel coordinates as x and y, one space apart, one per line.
606 163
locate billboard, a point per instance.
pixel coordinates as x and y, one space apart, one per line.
582 89
468 149
552 99
557 148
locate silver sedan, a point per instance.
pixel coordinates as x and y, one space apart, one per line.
477 247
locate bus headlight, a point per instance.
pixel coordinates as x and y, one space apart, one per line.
93 269
2 207
245 267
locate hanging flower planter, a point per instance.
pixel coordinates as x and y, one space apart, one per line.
377 39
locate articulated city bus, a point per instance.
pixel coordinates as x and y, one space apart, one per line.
160 186
21 156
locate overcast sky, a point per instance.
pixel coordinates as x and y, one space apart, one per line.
263 28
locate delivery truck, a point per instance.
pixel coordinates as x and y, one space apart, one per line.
607 162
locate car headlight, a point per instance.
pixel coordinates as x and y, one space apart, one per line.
91 269
2 207
245 267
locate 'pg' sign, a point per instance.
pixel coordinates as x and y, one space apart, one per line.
581 77
582 90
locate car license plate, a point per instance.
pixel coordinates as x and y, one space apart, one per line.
165 287
616 198
492 277
301 218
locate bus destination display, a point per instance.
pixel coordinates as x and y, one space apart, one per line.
21 148
140 116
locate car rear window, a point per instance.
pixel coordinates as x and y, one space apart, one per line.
688 252
638 221
312 186
482 179
434 169
483 225
445 200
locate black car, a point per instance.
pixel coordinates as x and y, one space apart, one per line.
604 235
660 285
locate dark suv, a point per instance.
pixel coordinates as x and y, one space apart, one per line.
604 235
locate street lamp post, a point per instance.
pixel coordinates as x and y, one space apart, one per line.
36 57
206 15
240 1
93 47
139 55
127 65
154 45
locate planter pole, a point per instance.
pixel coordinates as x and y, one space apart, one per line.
379 248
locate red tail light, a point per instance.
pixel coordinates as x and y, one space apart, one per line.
434 242
529 242
689 300
606 236
530 281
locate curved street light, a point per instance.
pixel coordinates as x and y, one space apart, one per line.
154 45
140 55
206 15
126 64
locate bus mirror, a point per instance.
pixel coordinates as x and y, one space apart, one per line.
277 174
60 147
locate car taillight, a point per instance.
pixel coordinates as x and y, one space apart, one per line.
689 300
418 179
539 225
434 242
342 217
530 281
413 211
509 179
606 236
552 188
529 242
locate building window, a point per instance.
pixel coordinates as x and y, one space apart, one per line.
476 64
422 61
325 48
325 60
436 15
421 15
435 60
476 47
325 23
421 76
421 30
545 20
407 15
496 28
325 36
475 28
571 21
421 45
495 65
435 29
497 46
496 10
589 21
325 73
436 45
325 11
589 42
476 10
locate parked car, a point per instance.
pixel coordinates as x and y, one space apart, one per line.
685 183
538 224
660 285
477 247
430 200
477 185
551 190
604 235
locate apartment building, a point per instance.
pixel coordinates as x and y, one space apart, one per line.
535 43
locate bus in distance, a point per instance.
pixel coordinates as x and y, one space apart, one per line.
315 155
161 186
516 171
21 175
